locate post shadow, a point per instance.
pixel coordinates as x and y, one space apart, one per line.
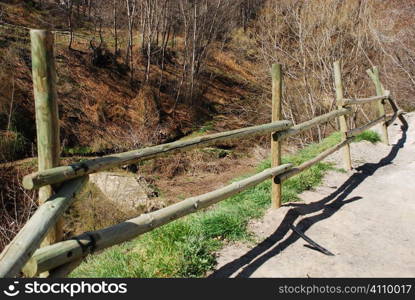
273 245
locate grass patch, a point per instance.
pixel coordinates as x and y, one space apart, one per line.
368 135
79 150
185 248
207 126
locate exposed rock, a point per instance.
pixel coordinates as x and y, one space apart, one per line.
127 190
110 198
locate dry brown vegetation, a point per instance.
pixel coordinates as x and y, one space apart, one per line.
16 204
107 104
308 36
123 67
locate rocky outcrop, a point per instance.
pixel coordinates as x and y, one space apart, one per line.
110 198
127 190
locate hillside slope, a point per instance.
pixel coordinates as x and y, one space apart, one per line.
102 110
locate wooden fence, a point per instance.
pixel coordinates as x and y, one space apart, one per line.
58 258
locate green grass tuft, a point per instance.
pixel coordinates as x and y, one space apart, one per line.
368 135
79 150
185 248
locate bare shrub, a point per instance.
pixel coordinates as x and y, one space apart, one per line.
16 205
392 29
308 36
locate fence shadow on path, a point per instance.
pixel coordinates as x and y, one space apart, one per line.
247 264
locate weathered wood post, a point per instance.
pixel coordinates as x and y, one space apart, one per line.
380 105
342 119
276 191
46 106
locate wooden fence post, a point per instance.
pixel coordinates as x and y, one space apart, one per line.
276 191
47 119
342 119
374 75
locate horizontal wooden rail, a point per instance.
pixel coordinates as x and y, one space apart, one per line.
19 251
394 116
64 270
311 123
369 125
60 174
363 100
304 166
62 253
396 110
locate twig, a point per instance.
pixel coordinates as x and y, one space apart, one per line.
311 242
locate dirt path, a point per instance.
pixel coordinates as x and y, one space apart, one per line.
365 218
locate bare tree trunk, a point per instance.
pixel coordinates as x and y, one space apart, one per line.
89 8
115 24
70 22
11 107
194 45
150 24
131 7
